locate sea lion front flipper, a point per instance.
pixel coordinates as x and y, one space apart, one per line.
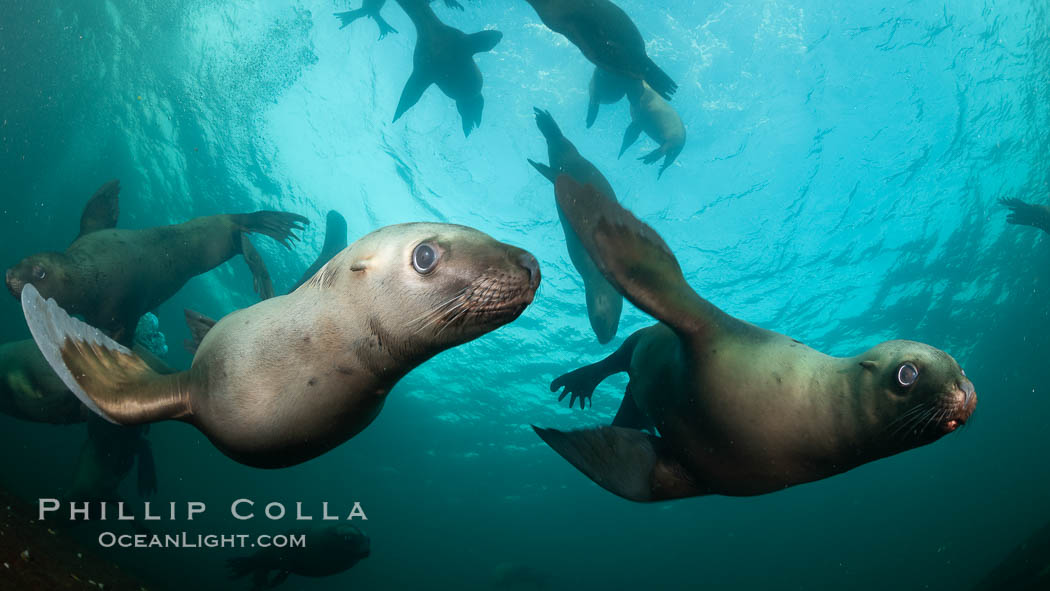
635 260
544 170
106 376
626 462
102 210
279 225
483 41
199 325
592 108
416 85
260 274
630 136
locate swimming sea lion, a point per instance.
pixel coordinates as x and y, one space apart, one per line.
112 277
604 304
291 377
739 410
1026 214
371 8
445 56
107 456
658 119
329 550
334 243
606 88
607 37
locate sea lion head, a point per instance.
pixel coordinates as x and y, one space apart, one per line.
47 271
918 393
429 287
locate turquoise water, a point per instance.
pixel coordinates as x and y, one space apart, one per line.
839 184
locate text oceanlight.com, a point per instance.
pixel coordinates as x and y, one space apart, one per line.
186 540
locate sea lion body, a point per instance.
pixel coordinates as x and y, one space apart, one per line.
658 119
607 36
330 550
739 410
1028 214
30 390
604 303
444 56
112 277
291 377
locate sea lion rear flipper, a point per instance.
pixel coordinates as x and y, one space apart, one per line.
416 85
106 376
279 225
260 274
658 80
634 259
626 462
483 41
199 325
102 210
592 109
630 136
345 18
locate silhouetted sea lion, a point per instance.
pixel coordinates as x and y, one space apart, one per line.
292 377
112 277
445 56
605 88
1026 214
1026 568
658 119
739 410
604 304
607 37
329 550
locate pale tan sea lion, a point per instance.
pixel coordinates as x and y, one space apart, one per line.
658 119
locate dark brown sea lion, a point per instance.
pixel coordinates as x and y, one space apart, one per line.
1026 214
112 277
445 56
604 303
738 410
607 37
658 119
291 377
330 550
605 88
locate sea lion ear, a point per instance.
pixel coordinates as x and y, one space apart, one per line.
869 365
360 265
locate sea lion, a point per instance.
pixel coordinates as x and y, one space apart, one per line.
371 8
607 37
658 119
329 550
1026 568
605 88
604 303
107 456
739 410
287 379
445 56
1026 214
30 390
334 243
112 277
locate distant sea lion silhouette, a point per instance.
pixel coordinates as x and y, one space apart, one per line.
287 379
329 550
1027 214
334 243
607 37
739 410
658 119
604 303
445 56
112 277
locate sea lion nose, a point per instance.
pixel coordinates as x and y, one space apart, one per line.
968 391
529 263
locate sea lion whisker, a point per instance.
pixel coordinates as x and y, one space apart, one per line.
908 413
914 420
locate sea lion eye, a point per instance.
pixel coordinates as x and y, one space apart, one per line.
907 374
424 258
39 273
